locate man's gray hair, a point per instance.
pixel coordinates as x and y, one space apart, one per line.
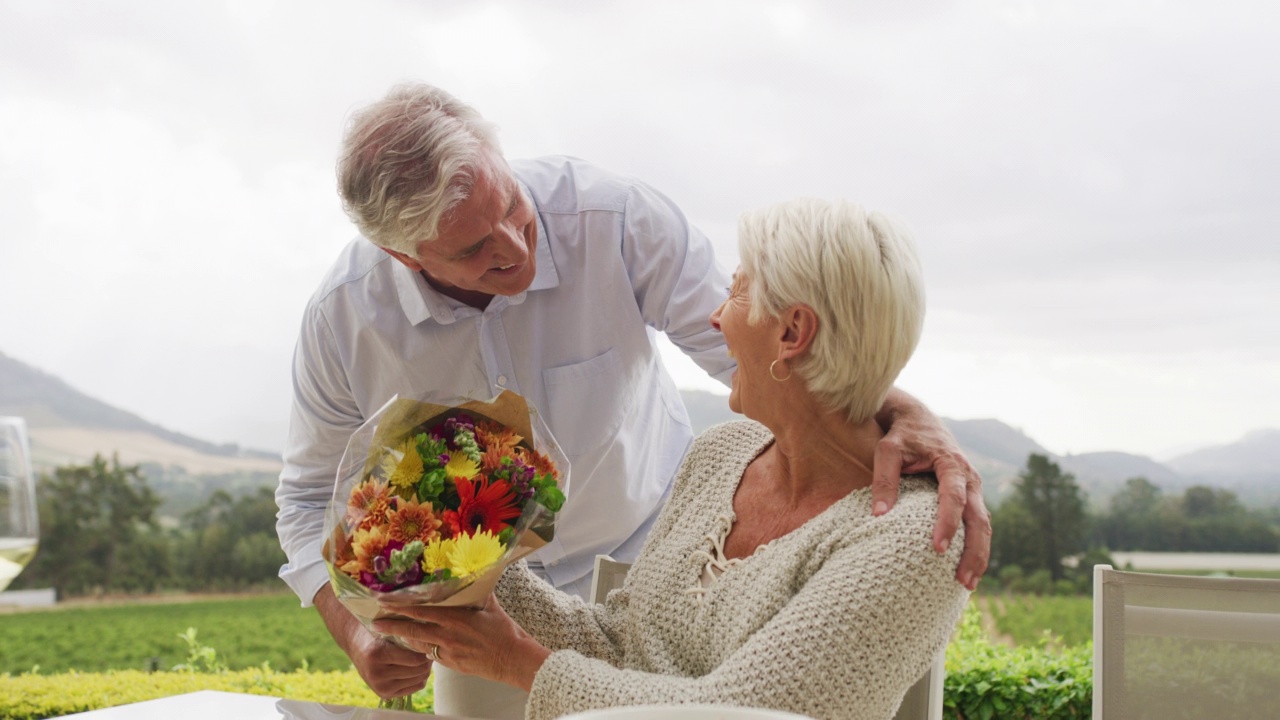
859 273
407 160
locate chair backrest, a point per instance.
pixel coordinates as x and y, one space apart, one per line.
923 700
1174 646
608 575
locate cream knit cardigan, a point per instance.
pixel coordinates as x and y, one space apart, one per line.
834 620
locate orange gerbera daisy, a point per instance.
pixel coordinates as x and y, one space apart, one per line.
411 521
492 435
369 503
482 506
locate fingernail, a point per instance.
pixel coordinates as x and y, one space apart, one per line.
944 545
881 507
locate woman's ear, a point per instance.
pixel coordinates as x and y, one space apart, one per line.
800 326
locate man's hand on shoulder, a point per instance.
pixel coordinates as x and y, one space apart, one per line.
916 441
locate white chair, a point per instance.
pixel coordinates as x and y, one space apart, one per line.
1173 646
922 702
608 575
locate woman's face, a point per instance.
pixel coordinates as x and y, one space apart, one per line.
750 345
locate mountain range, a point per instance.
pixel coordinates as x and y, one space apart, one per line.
1250 467
68 426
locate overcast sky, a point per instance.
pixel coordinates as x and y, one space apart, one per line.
1094 186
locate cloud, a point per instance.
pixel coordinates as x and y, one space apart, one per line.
1092 184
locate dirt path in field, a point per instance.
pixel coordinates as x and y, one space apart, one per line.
989 605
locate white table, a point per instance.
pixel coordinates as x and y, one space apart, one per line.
215 705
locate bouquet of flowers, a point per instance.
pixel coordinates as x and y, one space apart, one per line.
433 501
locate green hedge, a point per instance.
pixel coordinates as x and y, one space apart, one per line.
986 681
33 696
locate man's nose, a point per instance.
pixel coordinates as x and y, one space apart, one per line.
512 248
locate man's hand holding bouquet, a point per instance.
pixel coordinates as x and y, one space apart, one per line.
433 501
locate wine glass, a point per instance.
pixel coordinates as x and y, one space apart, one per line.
19 527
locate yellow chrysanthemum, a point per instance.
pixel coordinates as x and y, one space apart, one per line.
436 555
461 466
403 467
471 554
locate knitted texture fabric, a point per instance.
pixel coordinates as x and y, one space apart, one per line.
835 619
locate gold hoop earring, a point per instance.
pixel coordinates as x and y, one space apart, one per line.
774 376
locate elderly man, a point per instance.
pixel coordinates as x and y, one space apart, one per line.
549 278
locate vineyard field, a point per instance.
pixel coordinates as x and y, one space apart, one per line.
1028 620
244 631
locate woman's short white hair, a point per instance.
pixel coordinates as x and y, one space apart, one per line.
407 160
860 274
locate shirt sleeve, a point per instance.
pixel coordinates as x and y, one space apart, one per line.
323 417
675 277
847 645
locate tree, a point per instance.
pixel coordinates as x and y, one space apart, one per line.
1043 521
1205 502
229 543
1136 517
1138 497
97 530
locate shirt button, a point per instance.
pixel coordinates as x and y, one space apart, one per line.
502 380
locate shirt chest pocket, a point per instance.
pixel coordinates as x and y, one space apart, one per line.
586 401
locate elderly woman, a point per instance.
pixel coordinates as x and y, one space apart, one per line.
767 580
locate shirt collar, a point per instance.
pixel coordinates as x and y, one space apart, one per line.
421 302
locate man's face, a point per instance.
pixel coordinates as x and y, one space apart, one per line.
486 244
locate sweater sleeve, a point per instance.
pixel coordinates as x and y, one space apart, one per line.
848 644
559 620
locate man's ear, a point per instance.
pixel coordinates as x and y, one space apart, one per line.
799 327
405 260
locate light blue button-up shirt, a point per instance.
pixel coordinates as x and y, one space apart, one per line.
616 263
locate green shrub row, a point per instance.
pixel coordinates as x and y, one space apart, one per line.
986 681
34 697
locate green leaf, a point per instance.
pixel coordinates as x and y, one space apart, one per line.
550 497
431 486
